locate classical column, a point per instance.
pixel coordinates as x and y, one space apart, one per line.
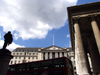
56 54
81 65
50 55
60 54
65 54
96 32
95 59
46 55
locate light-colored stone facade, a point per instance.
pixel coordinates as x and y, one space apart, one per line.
35 54
84 24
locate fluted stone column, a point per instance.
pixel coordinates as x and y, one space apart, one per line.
60 54
96 33
56 54
79 53
5 56
46 55
50 55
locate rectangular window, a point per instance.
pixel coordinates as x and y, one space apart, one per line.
19 57
19 62
35 65
24 57
11 62
58 63
69 63
36 57
15 62
28 57
21 67
32 57
29 53
15 57
46 64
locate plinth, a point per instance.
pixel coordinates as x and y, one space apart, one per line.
5 57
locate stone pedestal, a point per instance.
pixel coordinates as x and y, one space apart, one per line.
5 56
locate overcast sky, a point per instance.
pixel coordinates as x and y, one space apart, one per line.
33 22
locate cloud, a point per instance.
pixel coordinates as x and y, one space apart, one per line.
11 47
68 35
33 18
68 45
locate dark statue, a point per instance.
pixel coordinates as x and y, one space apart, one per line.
8 39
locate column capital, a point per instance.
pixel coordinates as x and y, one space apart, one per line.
75 20
93 17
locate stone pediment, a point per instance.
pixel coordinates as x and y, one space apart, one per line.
53 48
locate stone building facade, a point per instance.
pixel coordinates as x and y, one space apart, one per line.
22 55
84 24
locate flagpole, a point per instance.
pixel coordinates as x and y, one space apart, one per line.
53 39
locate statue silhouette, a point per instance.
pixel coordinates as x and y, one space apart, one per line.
8 39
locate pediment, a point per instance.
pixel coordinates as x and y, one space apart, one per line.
53 48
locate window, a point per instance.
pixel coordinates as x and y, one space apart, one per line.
24 57
46 64
32 57
36 57
28 57
25 53
20 53
33 53
29 53
15 62
31 50
19 62
17 53
69 63
19 57
58 63
74 62
11 62
15 57
13 53
36 53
